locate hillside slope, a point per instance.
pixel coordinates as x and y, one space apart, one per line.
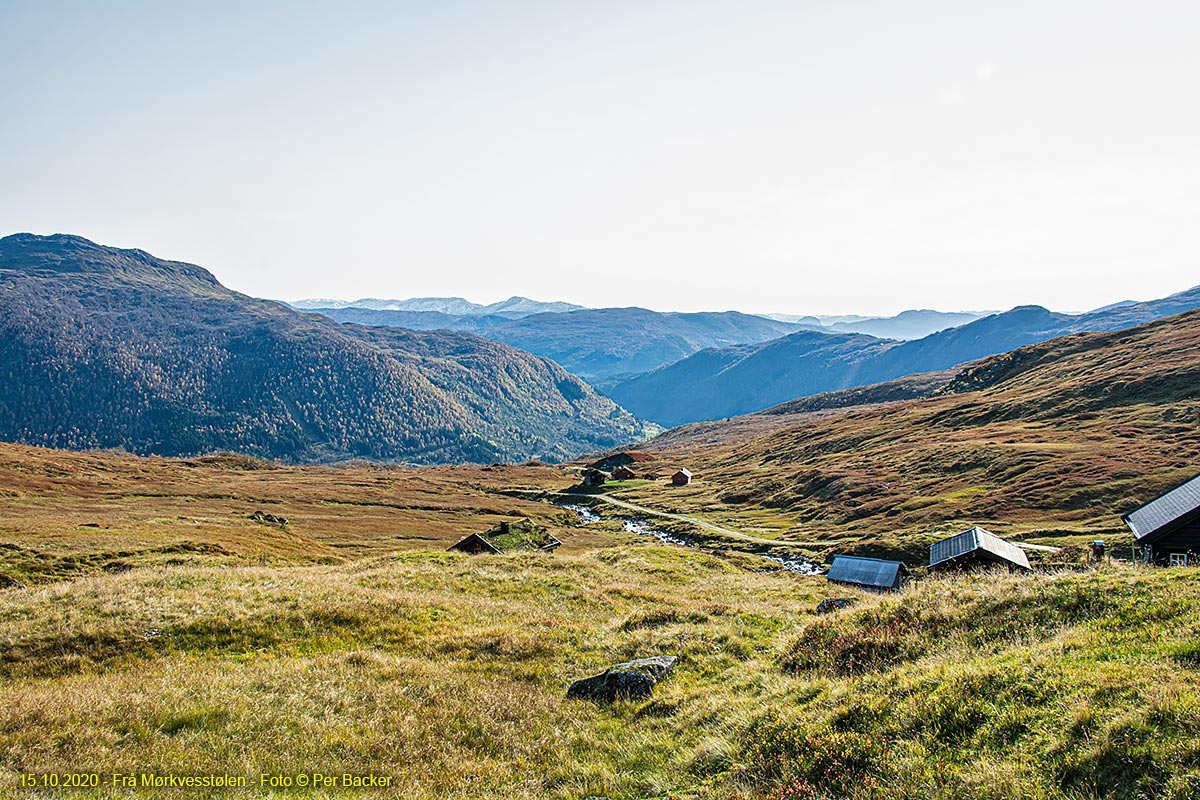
743 380
1056 438
594 343
101 347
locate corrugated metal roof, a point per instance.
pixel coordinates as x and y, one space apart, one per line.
1180 502
872 572
978 540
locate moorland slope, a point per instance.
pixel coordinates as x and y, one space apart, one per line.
1056 438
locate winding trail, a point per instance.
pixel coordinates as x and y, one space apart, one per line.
745 537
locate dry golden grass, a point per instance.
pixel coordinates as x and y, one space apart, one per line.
64 513
445 671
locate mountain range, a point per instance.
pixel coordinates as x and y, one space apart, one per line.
597 344
512 308
101 348
725 382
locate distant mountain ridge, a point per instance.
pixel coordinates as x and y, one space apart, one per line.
907 325
512 308
726 382
101 347
911 324
597 344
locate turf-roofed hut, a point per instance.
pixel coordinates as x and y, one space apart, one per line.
875 574
976 547
1167 529
627 458
508 537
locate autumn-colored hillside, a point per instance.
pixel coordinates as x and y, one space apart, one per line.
1052 440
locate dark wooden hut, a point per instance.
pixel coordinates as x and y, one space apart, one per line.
594 477
974 547
1167 529
682 478
623 473
867 573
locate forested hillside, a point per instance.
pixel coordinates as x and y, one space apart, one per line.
101 347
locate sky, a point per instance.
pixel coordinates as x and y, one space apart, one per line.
809 156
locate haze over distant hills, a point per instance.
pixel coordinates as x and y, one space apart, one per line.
101 347
597 344
512 308
725 382
911 324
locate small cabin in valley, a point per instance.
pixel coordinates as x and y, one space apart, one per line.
508 537
1167 529
868 573
594 477
975 547
628 458
682 478
623 473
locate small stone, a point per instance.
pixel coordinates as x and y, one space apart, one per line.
833 604
631 680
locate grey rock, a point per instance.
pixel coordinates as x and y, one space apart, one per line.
833 604
631 680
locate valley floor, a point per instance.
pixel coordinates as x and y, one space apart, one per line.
151 624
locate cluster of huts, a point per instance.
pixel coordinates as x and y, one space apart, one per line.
627 466
1166 533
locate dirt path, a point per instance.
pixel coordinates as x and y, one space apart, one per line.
745 537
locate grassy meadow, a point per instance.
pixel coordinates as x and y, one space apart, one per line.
348 640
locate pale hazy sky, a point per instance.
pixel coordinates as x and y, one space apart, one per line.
806 156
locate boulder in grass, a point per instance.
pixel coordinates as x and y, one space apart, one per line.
833 604
632 680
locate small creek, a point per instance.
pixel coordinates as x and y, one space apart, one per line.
640 525
631 524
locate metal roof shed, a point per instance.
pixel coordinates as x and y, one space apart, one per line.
975 545
868 573
1168 527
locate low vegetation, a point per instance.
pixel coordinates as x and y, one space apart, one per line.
448 673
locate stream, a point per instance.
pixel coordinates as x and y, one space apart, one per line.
640 525
631 524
